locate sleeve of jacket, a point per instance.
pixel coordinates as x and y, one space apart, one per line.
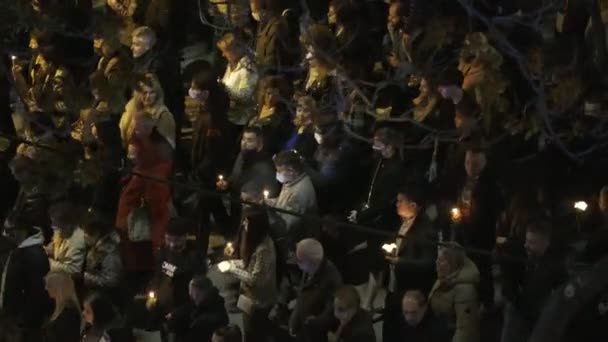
264 261
166 127
466 307
73 260
424 254
109 275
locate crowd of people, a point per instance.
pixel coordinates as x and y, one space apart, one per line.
354 159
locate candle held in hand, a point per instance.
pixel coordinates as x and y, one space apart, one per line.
389 247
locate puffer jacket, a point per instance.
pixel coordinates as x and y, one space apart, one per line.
454 301
103 264
68 254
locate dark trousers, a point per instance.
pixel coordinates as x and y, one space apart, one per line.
257 326
393 318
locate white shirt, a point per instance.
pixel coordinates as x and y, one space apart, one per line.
242 80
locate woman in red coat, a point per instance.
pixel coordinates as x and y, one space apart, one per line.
153 158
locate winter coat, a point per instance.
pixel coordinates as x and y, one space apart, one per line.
254 175
298 196
153 162
103 264
315 295
65 328
23 292
359 329
240 82
193 323
269 47
173 273
415 264
430 329
259 278
454 301
165 123
68 254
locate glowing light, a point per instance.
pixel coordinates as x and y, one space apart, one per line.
220 177
580 205
151 295
266 194
389 247
455 214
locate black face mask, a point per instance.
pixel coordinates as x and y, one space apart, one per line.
249 156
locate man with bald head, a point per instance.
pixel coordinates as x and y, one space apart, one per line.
420 325
314 302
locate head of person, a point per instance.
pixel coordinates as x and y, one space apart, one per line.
105 44
450 258
410 201
64 218
255 227
603 200
252 140
309 255
428 86
143 39
414 307
98 311
176 237
396 14
475 162
346 303
97 225
144 125
305 111
199 289
209 93
321 46
448 83
60 288
387 142
148 90
100 88
289 165
229 333
272 90
232 48
343 13
538 238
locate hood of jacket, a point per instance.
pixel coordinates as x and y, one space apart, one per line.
468 274
35 239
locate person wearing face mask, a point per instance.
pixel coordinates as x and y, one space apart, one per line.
353 324
67 249
297 195
176 263
204 312
314 300
103 267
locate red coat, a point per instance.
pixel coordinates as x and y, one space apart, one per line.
139 256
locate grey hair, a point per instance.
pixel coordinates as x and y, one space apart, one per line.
311 249
455 254
145 32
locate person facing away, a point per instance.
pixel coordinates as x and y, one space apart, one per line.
64 323
201 316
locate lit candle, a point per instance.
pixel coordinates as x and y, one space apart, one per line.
266 194
152 295
13 58
389 247
229 245
455 214
220 177
580 205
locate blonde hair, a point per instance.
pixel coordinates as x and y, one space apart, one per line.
66 292
151 80
229 42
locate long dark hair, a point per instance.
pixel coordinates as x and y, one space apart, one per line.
248 240
218 102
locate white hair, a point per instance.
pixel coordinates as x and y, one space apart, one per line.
145 32
310 249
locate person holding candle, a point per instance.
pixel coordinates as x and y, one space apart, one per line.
254 263
411 261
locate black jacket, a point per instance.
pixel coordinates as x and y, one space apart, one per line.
428 330
65 328
359 329
172 275
24 294
415 267
193 323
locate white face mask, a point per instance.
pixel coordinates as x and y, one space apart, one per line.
195 94
281 178
256 16
344 316
319 138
